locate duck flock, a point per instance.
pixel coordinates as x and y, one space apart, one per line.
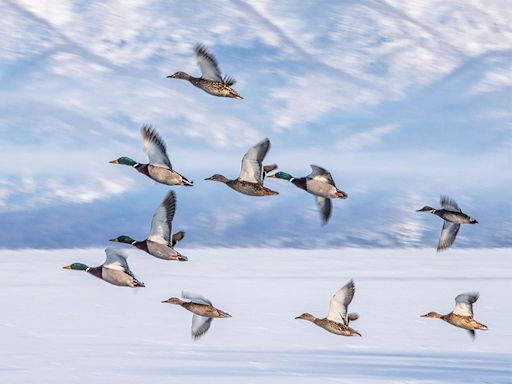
319 182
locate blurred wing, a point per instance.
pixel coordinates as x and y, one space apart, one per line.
200 325
352 316
325 208
320 174
464 304
161 224
178 236
449 204
268 168
208 64
195 298
155 147
116 260
339 303
448 235
252 169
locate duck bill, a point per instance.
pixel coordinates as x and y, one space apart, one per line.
67 267
114 162
114 240
272 176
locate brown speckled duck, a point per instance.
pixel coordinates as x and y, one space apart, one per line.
211 80
338 318
462 314
203 310
159 167
252 174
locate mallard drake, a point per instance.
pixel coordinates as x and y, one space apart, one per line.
203 310
320 184
160 243
114 270
453 218
211 80
338 318
159 168
462 314
252 174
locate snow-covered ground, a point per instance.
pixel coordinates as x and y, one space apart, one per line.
60 326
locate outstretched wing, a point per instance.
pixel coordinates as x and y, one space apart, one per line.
116 260
338 307
161 224
155 147
448 235
252 169
267 169
320 174
449 204
200 325
325 206
195 298
208 64
178 236
464 304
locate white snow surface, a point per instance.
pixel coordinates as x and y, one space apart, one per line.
61 326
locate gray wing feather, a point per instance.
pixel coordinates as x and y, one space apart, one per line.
208 64
178 236
449 204
325 206
161 225
252 169
200 325
116 260
464 304
155 147
448 235
320 174
338 307
195 298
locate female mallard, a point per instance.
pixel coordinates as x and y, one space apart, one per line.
114 270
453 218
211 80
250 181
462 315
159 167
203 310
320 184
159 242
338 318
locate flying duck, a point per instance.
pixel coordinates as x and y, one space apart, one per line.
320 184
114 270
250 181
160 243
453 218
337 319
159 167
462 314
203 310
211 80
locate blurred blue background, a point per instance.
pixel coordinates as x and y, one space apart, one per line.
402 102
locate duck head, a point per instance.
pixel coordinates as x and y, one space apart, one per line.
281 175
217 177
432 314
179 75
426 209
306 316
173 300
125 161
77 267
123 239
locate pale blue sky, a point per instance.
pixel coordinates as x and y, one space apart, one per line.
402 103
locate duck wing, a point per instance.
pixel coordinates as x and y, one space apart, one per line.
161 224
325 206
338 307
200 325
320 174
116 260
267 169
155 147
448 235
208 64
195 298
252 169
464 304
178 236
449 204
